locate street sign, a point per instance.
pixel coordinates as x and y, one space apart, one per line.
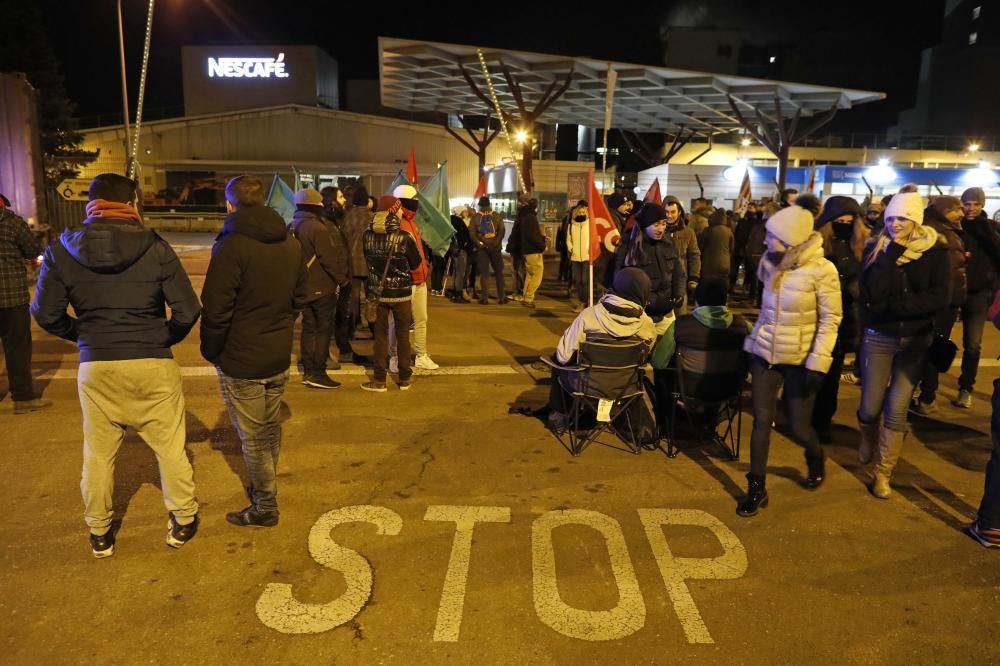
74 189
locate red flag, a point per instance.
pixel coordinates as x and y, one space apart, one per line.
653 193
744 197
603 231
812 177
480 189
411 168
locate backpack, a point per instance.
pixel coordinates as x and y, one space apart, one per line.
487 229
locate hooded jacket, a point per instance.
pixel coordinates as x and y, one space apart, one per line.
327 264
612 315
578 237
384 237
801 309
661 263
256 281
687 248
716 243
118 276
532 238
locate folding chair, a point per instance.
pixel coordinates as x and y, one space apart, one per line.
605 382
694 388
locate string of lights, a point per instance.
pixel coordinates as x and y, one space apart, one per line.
500 115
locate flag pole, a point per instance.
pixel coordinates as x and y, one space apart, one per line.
608 106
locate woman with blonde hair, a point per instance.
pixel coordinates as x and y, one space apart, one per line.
905 281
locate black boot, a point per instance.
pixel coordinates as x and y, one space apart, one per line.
817 473
756 497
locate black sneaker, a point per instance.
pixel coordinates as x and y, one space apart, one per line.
320 382
103 545
177 534
251 517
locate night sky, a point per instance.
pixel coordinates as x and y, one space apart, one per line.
873 45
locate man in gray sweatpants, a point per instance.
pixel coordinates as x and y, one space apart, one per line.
119 276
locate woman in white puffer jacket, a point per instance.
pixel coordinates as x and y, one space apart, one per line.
791 343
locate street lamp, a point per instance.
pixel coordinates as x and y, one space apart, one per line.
521 136
745 142
973 147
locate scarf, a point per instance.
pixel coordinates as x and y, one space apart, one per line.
112 210
922 239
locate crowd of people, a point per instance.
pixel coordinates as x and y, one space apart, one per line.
881 285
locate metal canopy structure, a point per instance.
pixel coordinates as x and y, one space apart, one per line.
426 76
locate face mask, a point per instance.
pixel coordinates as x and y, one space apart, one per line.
775 257
842 231
580 218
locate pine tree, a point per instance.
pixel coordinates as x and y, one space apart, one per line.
26 48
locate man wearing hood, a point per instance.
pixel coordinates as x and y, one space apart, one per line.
329 270
620 313
578 248
533 243
119 277
717 244
256 282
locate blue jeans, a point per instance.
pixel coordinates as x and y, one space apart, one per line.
765 385
973 320
891 368
253 406
989 508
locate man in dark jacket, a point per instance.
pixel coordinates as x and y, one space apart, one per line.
119 277
345 315
460 248
356 222
17 245
982 248
533 248
716 244
486 233
391 254
256 281
329 270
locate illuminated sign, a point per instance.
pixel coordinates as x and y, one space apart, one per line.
247 68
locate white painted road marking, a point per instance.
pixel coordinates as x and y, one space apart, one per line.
209 371
449 618
279 610
624 619
731 564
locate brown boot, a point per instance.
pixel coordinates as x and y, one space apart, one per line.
890 445
869 441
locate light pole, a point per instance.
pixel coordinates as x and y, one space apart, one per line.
121 53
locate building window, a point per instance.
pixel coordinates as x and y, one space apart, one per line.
724 51
975 12
973 36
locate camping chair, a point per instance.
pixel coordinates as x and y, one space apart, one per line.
693 388
605 382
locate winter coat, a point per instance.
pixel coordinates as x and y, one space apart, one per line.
902 300
256 282
118 276
982 254
661 263
578 240
687 249
801 309
532 238
327 266
17 244
355 224
716 243
755 239
956 255
478 228
612 315
383 237
463 241
845 255
698 220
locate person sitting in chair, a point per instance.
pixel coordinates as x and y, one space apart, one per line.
711 339
620 314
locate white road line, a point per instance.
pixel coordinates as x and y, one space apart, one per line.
209 371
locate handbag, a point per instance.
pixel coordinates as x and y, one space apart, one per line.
942 353
371 304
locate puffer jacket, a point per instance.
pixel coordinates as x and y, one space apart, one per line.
612 315
578 240
385 235
801 309
355 223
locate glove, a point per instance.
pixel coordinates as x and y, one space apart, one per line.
894 250
676 302
814 381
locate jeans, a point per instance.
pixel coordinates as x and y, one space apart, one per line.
486 258
973 320
402 316
145 394
943 323
15 331
460 279
314 347
343 318
534 267
581 280
989 508
766 383
253 406
890 369
419 324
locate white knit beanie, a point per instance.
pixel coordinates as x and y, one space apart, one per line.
906 204
792 225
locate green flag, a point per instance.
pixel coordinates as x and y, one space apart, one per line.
433 217
281 198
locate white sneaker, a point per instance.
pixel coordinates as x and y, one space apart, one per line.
394 364
424 362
